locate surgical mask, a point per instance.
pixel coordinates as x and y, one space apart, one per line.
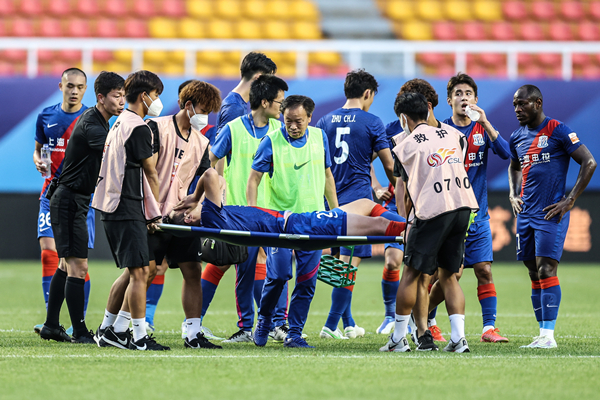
404 124
198 121
155 107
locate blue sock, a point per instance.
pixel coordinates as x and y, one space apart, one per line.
550 299
347 319
153 296
340 298
432 313
392 216
548 324
536 301
208 292
389 289
489 303
86 293
46 288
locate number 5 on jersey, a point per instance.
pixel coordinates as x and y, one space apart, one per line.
339 143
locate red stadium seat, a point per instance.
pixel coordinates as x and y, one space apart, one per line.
532 71
445 71
474 30
107 28
3 28
50 27
87 8
525 59
59 8
572 10
45 56
542 10
503 30
71 56
581 59
493 59
135 28
173 9
102 55
143 9
514 10
476 70
594 10
445 30
15 55
6 68
78 28
7 7
30 7
588 31
560 31
498 71
531 31
23 27
590 71
433 59
114 8
549 59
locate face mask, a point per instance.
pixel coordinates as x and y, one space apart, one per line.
155 107
404 124
198 121
427 116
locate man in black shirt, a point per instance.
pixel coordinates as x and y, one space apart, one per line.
69 206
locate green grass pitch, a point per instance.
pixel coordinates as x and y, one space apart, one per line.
352 369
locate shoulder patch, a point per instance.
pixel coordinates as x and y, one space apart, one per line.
573 137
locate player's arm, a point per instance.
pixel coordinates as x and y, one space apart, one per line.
400 190
37 159
381 193
263 160
149 167
385 155
330 191
514 183
252 187
483 121
585 159
220 148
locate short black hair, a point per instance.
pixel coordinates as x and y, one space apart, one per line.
532 91
357 82
265 87
140 82
184 84
108 81
256 62
421 86
459 78
297 100
413 105
74 70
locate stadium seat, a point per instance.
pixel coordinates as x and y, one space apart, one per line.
248 29
476 70
234 57
123 56
58 8
173 8
173 68
400 10
532 71
162 28
581 59
473 30
304 30
445 30
543 10
190 28
144 9
6 68
588 31
492 59
458 10
205 70
502 30
78 28
22 27
50 27
228 9
30 8
561 31
549 59
254 9
107 28
176 56
69 55
553 72
526 59
14 55
135 28
87 8
305 10
277 10
433 59
416 30
590 71
286 70
429 10
229 71
45 56
113 8
531 31
103 56
199 8
277 29
318 71
7 7
594 10
220 29
572 10
327 58
514 10
211 57
155 56
3 28
487 10
444 71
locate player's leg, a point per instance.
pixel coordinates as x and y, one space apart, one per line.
359 225
438 297
389 284
154 293
260 275
280 316
420 310
211 277
91 229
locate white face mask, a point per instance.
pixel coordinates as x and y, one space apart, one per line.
404 124
198 121
155 107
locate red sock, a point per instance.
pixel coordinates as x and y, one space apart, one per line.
485 291
212 274
395 228
261 272
377 211
391 276
549 282
49 262
158 280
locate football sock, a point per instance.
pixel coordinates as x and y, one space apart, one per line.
211 276
340 297
139 328
536 301
153 296
49 265
551 296
193 327
389 287
74 296
55 298
379 211
457 324
259 281
121 324
395 228
431 317
489 302
109 319
86 293
400 327
347 319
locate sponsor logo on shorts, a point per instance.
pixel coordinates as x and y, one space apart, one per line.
438 158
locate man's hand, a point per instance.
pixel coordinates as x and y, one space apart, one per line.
517 204
152 227
187 203
483 117
382 193
560 208
42 167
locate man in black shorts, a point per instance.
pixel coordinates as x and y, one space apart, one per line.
69 206
438 200
127 179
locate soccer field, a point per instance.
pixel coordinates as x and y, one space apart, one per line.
349 369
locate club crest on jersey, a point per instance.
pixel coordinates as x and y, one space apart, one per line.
542 142
478 139
440 157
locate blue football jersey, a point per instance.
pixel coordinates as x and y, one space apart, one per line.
232 106
54 127
391 130
353 136
544 154
476 161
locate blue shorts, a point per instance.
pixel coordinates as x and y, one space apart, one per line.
478 245
394 246
331 223
362 251
45 227
537 237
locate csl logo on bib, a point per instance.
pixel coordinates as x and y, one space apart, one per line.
438 158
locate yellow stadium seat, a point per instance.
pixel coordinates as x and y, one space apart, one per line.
205 70
328 58
289 57
286 70
190 28
163 28
234 57
276 56
277 9
416 30
458 10
429 10
401 10
123 56
276 29
210 57
156 68
248 29
306 30
220 29
199 8
255 9
488 10
177 56
228 9
155 56
173 68
113 66
306 10
228 70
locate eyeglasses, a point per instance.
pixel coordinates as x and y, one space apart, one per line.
278 102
